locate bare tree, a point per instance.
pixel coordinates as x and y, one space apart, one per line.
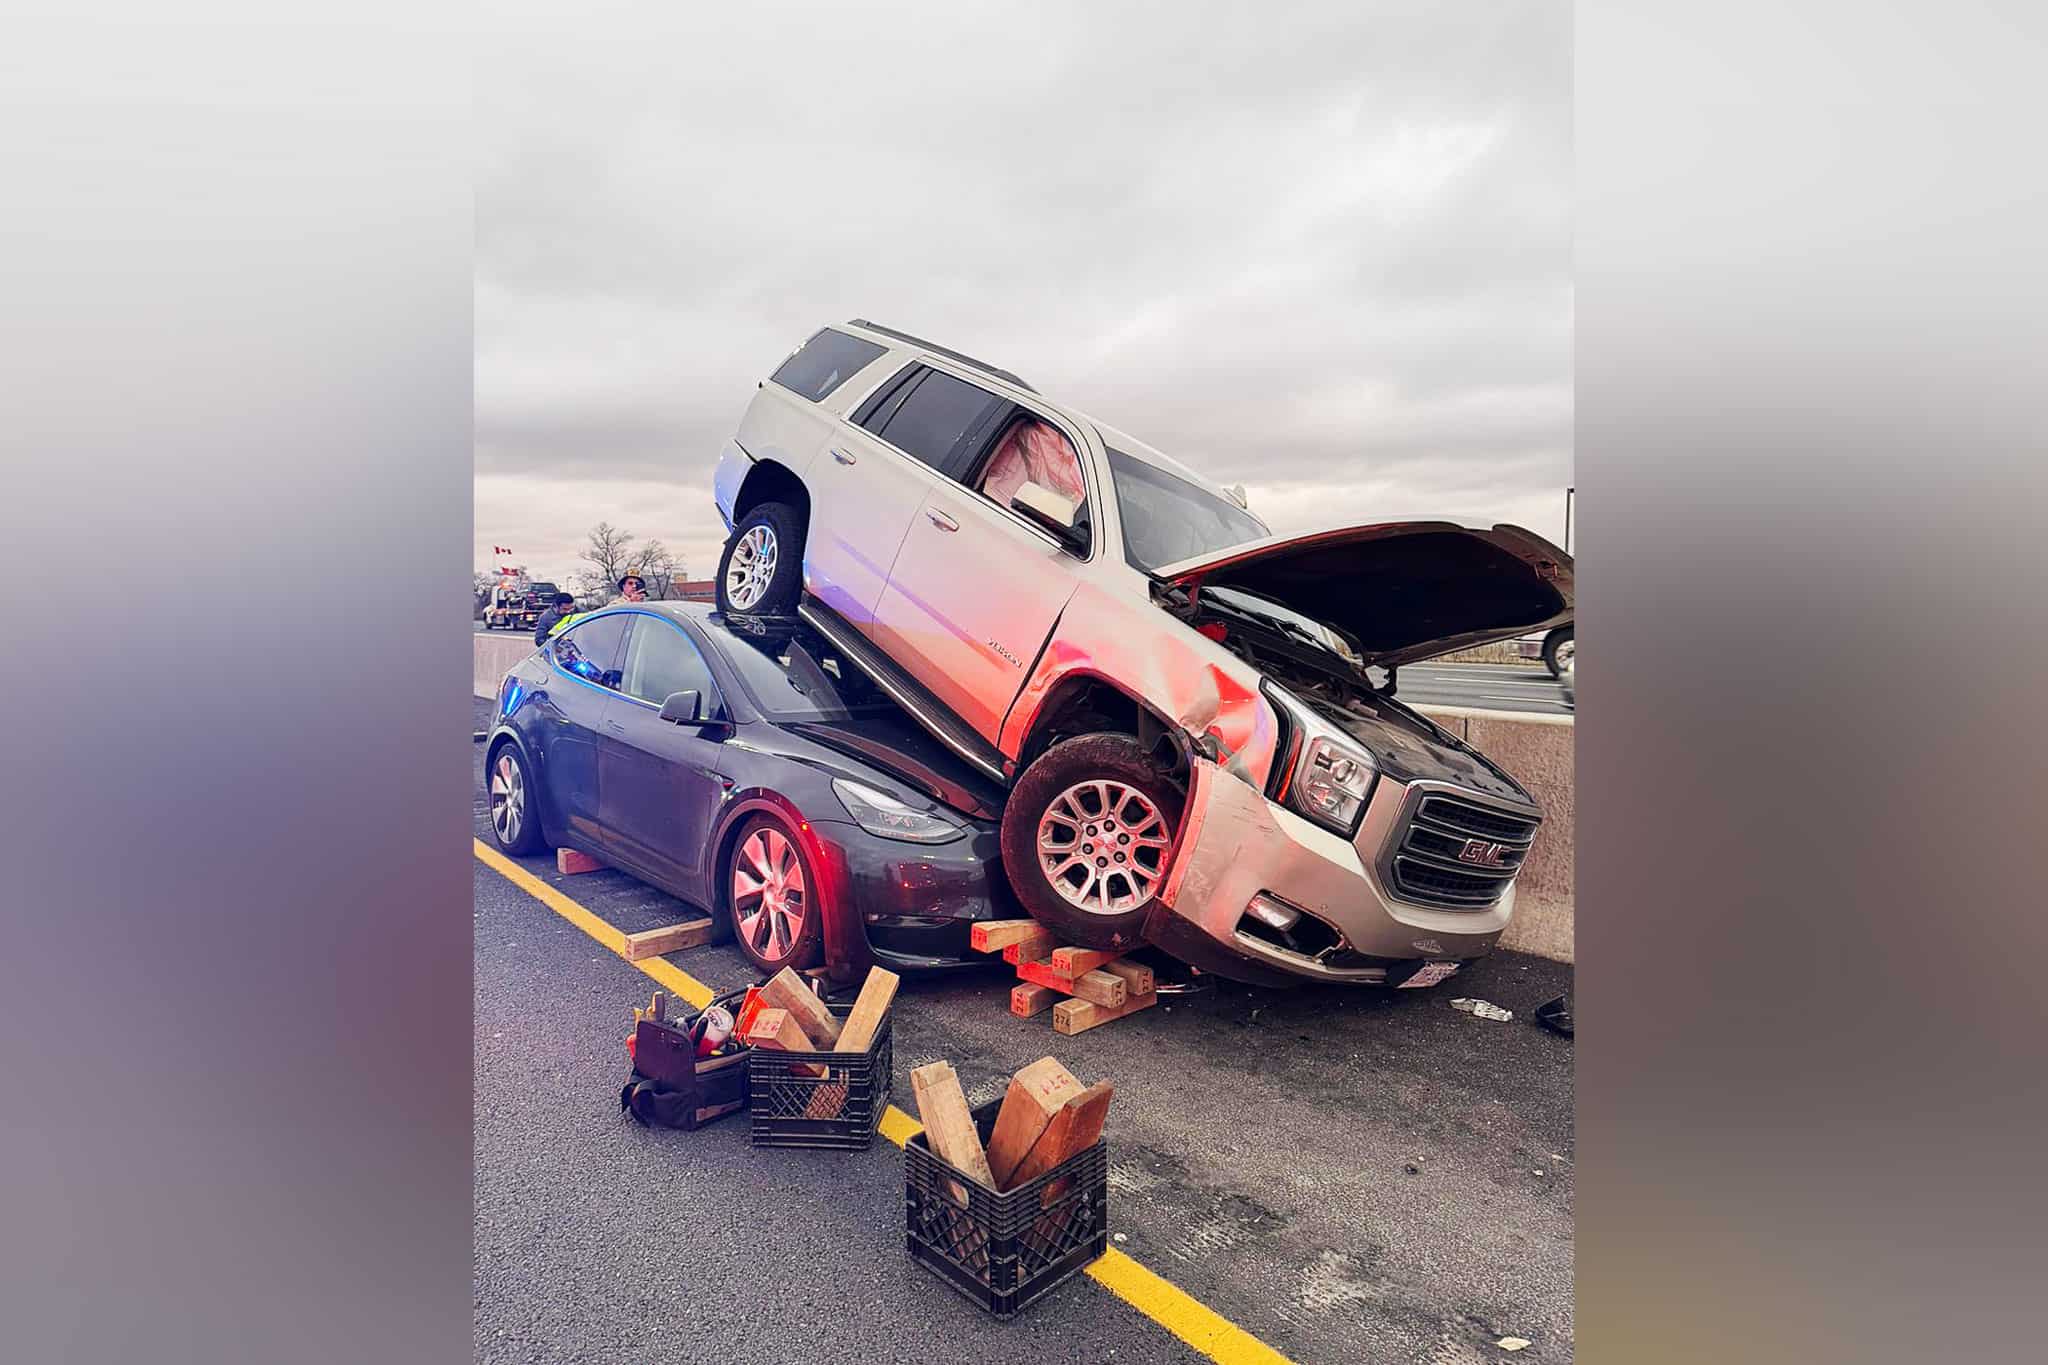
609 556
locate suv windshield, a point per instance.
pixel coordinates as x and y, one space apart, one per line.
794 674
1167 519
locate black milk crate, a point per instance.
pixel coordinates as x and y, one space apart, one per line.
1005 1251
790 1105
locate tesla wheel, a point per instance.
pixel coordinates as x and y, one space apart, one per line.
515 814
772 892
1558 649
761 571
1086 833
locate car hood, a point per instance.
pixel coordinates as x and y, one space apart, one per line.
1401 590
906 751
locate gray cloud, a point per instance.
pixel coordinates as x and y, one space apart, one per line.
1302 250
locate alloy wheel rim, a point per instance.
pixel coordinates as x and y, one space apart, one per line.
769 899
508 799
1102 845
752 567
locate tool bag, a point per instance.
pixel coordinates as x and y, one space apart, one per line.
671 1087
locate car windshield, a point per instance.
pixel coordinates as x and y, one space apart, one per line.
1167 519
794 674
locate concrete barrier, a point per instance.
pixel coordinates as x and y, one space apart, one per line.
496 653
1535 749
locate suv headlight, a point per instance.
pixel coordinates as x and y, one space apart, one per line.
1331 776
882 814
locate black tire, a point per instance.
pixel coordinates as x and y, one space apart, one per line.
1551 644
785 583
521 836
1054 775
806 946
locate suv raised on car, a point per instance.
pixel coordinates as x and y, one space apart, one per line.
1182 705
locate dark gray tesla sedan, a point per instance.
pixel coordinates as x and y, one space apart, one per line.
746 767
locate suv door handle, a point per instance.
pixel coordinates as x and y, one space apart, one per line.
941 520
841 456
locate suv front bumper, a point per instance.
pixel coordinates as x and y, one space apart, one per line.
1236 844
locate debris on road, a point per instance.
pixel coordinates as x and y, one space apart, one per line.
1512 1343
1556 1015
1483 1009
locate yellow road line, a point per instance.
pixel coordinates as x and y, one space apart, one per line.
1159 1299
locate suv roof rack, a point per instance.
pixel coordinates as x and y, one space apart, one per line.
946 351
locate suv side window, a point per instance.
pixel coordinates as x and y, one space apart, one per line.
935 419
876 410
825 362
590 649
661 660
1038 452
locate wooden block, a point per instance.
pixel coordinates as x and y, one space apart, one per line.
1033 949
992 934
1036 1094
670 938
1099 987
787 991
1138 980
569 862
948 1123
827 1100
1077 1127
869 1008
1074 961
1028 998
776 1028
1078 1016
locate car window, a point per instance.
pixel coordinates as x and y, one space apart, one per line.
825 362
590 649
1032 451
795 674
661 661
939 412
878 407
1167 519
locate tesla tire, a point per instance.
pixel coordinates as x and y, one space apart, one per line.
761 572
771 892
514 804
1086 834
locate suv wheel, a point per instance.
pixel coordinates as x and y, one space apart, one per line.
778 919
1086 834
761 571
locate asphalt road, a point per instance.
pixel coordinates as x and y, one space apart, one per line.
1260 1144
1492 687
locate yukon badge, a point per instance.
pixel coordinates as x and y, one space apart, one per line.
1483 854
1014 661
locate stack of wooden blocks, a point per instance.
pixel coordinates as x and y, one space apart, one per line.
1098 984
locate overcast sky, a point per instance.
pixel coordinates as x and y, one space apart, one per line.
1322 251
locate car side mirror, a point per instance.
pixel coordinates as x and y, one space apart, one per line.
683 708
1051 511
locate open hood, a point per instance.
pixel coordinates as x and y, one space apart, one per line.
1402 590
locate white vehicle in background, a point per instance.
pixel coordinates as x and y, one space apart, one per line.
1555 647
1177 699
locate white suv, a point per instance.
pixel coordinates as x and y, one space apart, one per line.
1179 701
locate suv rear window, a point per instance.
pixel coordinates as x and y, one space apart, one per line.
1167 519
826 361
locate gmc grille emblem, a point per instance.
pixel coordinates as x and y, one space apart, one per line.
1482 853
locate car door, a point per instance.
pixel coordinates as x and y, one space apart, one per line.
867 484
975 588
659 783
583 675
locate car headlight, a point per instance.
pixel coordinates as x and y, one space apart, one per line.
882 814
1332 775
